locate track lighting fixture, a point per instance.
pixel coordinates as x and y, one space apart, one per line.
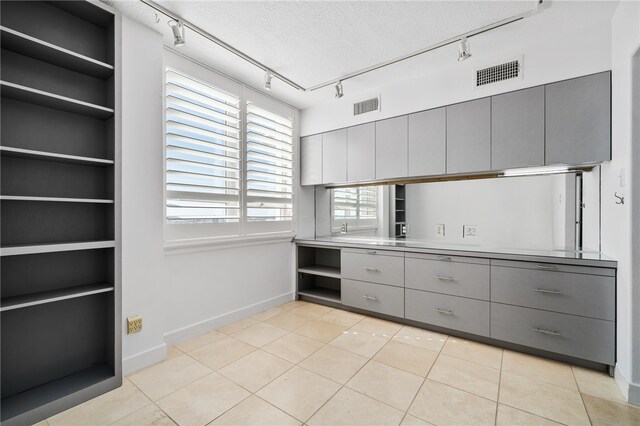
267 80
178 32
339 90
464 52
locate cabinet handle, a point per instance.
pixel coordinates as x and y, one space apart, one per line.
542 290
371 269
370 297
440 277
372 252
444 311
546 267
445 258
547 332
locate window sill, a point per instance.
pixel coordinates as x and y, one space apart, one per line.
217 243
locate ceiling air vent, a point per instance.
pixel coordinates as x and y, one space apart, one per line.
366 106
498 73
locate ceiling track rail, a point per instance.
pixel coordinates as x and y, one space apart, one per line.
345 77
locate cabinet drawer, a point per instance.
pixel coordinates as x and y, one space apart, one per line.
454 278
585 338
555 267
456 313
578 294
373 267
383 299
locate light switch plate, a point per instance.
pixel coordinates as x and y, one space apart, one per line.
440 230
470 231
134 324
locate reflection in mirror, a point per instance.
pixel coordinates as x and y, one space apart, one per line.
530 212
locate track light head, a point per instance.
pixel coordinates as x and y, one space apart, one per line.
267 80
339 90
178 32
464 52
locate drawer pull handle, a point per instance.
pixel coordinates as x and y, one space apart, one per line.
542 290
547 332
370 298
440 277
371 269
547 267
372 252
444 311
445 258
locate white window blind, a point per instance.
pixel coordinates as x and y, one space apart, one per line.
269 190
357 207
202 152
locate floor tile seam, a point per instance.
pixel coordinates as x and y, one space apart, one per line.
544 382
531 413
495 421
499 369
463 390
223 413
266 384
128 414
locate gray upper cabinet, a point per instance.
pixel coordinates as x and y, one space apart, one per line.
469 136
391 148
361 152
311 160
517 129
334 156
578 115
427 142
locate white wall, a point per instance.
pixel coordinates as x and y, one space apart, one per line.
181 292
619 176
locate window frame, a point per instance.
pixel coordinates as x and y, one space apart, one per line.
197 234
357 224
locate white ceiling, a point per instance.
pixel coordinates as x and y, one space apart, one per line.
311 42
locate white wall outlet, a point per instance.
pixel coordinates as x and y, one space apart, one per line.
440 230
470 231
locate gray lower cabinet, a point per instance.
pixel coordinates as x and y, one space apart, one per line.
391 148
334 156
311 160
361 152
456 278
579 337
517 129
373 266
578 120
469 136
456 313
383 299
427 139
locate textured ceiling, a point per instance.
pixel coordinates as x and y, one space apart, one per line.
311 42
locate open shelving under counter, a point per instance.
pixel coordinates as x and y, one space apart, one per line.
319 275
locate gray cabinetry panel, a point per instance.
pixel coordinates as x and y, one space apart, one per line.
311 160
334 156
517 129
427 138
373 267
579 337
578 294
578 120
454 278
469 136
383 299
456 313
391 148
361 155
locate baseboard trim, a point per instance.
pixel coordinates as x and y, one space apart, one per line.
630 391
144 359
210 324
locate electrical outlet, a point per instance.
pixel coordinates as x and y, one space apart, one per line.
343 228
440 230
470 231
134 324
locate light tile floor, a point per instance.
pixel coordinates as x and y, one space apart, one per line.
302 363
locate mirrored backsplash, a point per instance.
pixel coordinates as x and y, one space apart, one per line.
533 212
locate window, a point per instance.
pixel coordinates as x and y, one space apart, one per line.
229 157
355 207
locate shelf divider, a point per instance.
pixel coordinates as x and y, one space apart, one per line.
52 156
39 49
51 248
325 271
322 293
18 302
54 199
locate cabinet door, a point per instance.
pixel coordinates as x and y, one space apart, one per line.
578 114
469 136
361 152
311 160
517 129
391 148
427 142
334 156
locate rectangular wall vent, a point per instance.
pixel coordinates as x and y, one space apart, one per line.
498 73
366 106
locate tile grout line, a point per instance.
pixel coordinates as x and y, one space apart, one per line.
586 410
495 421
